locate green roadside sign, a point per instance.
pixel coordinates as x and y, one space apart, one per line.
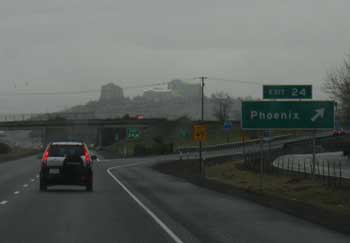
287 115
287 91
184 134
133 133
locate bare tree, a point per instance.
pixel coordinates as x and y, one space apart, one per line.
337 85
222 105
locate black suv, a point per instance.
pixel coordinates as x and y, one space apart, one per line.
66 163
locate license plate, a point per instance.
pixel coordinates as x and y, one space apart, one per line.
54 171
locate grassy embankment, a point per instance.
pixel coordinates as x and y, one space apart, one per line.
17 154
299 196
298 189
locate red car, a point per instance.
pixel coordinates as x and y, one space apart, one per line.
339 132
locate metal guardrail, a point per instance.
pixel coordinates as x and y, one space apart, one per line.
319 137
224 146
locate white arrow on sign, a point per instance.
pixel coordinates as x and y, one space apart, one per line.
319 113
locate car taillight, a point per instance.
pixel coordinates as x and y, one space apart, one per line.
45 158
87 156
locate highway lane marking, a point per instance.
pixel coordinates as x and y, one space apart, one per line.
17 192
32 180
3 202
25 185
144 207
37 176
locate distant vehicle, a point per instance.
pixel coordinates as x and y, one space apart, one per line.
339 132
66 163
140 117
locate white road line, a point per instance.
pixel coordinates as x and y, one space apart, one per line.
3 202
37 176
153 215
17 192
25 185
32 180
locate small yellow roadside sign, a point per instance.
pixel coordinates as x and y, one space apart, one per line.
244 136
200 133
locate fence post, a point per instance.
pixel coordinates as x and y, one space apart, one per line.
340 174
323 171
328 179
335 175
288 172
304 168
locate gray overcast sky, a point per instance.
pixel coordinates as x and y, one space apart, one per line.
81 44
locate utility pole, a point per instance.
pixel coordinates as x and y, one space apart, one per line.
201 166
202 79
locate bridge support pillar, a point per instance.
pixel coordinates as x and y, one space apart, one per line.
99 135
44 136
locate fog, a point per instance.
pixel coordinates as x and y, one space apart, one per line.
79 45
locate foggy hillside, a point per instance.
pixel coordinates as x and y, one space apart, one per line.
178 99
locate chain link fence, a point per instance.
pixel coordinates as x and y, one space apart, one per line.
330 166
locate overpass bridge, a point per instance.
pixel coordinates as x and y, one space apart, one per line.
90 130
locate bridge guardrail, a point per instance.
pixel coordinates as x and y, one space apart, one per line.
218 147
189 151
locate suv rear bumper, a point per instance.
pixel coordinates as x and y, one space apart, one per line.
77 175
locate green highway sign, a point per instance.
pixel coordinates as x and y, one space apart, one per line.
133 133
287 115
287 91
184 133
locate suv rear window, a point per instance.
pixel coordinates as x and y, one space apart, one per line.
66 150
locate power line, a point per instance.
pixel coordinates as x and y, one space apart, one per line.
145 86
91 91
44 93
235 81
49 93
249 82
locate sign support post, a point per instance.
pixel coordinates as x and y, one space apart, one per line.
269 144
200 136
202 118
313 153
200 159
261 161
244 152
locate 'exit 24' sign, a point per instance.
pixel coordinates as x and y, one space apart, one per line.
287 91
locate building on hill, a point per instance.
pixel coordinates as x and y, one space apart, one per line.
111 92
180 88
157 94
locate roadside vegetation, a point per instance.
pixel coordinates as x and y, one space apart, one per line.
298 189
8 153
4 148
324 204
